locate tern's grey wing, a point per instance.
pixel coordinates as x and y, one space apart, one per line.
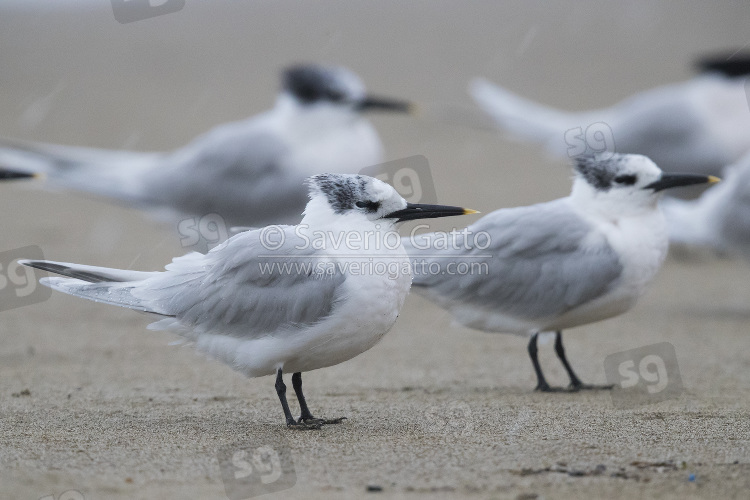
241 288
238 171
539 261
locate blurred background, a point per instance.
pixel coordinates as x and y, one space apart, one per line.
72 74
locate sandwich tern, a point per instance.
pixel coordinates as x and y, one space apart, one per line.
281 298
554 265
250 172
697 126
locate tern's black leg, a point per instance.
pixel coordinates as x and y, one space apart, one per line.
281 391
575 382
304 410
541 383
305 416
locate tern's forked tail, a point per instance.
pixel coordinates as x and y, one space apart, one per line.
100 284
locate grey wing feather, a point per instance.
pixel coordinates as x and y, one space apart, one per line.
241 288
100 284
521 117
541 261
90 274
237 171
107 292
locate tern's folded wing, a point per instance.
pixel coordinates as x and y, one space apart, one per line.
237 170
248 287
528 262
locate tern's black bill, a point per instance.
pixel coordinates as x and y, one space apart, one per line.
373 103
9 175
420 211
677 180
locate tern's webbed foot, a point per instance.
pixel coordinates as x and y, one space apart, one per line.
312 423
304 426
547 388
591 387
322 421
339 420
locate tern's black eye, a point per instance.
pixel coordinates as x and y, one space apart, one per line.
626 180
370 206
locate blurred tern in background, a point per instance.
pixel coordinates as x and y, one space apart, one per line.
720 219
249 172
555 265
282 298
697 126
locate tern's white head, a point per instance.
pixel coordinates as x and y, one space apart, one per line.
622 184
364 201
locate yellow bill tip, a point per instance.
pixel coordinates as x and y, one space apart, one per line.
39 176
712 179
468 211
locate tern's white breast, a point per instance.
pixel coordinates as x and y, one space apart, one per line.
374 296
641 244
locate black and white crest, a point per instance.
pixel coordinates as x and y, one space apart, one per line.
600 170
342 191
311 83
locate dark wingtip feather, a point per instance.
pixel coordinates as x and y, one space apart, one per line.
53 267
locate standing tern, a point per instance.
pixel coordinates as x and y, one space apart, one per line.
698 126
249 172
554 265
281 298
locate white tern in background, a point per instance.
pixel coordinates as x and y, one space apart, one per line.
555 265
697 126
720 219
249 172
281 298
